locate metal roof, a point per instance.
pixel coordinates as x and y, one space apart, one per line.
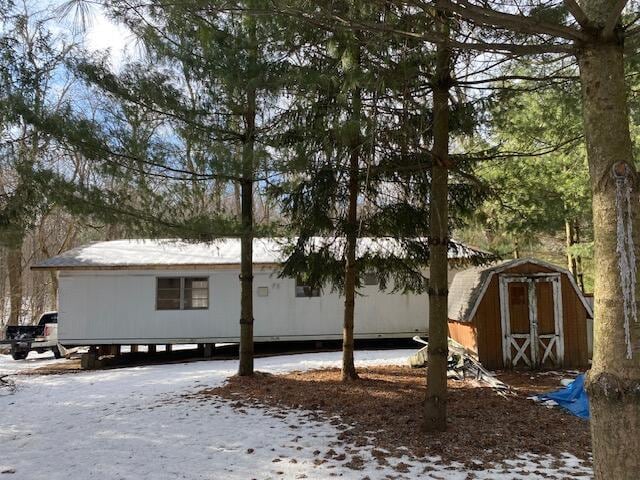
143 253
469 286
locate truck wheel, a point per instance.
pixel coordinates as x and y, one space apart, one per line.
56 352
19 355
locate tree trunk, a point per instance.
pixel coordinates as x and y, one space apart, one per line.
218 188
576 237
54 289
351 227
237 199
350 273
14 265
4 277
246 281
435 407
246 242
613 382
572 265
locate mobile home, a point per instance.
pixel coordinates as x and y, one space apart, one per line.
129 292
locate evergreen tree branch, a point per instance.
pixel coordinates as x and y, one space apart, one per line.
335 22
515 23
576 12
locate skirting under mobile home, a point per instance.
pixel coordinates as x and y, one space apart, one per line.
520 313
165 292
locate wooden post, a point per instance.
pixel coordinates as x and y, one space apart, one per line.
151 348
134 348
168 347
89 359
208 350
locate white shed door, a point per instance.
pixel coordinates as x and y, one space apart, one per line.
531 317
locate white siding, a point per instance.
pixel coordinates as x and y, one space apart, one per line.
119 307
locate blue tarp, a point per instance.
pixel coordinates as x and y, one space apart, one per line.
573 397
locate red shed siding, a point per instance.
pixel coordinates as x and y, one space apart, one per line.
576 351
464 334
487 329
487 319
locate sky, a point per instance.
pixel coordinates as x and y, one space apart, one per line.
100 34
103 34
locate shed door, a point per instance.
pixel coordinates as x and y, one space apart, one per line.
548 333
521 341
531 310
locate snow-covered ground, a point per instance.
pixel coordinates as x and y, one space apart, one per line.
35 360
134 423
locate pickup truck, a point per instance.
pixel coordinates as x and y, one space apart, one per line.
40 337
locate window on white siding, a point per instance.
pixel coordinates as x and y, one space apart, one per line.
303 290
182 293
371 278
168 294
196 293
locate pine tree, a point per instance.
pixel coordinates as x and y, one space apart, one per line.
360 158
31 57
435 408
212 75
538 124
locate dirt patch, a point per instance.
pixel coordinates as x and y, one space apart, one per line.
531 383
60 368
383 409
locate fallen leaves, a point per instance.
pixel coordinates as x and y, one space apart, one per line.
384 408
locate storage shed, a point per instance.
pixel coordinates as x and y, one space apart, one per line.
520 313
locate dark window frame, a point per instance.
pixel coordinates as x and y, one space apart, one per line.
306 291
371 279
184 303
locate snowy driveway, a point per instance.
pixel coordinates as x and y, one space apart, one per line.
126 424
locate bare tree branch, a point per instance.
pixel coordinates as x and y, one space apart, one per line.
631 32
576 12
630 24
334 22
515 23
613 18
506 78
